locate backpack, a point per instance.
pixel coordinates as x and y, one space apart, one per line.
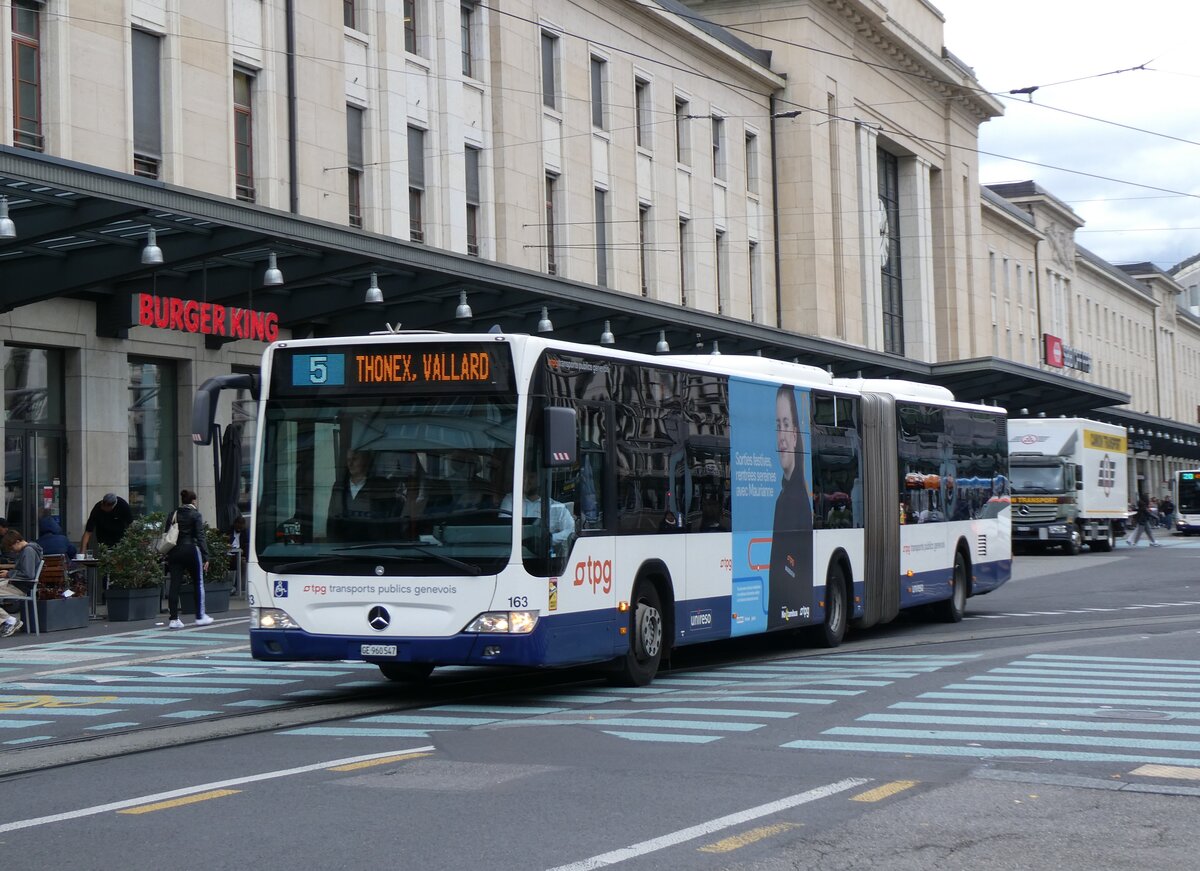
170 536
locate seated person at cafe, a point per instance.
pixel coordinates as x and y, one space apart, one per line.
52 540
28 562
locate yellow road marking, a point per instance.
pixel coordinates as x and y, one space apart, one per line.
727 845
888 789
177 802
354 766
1177 771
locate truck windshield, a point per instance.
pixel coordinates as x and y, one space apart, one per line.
1037 479
411 484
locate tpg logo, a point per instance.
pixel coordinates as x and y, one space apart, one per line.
596 572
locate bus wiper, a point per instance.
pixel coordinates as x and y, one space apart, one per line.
470 569
326 560
1031 488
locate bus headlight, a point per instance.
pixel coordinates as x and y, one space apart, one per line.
271 618
507 622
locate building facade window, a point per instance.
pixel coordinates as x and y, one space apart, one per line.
685 268
601 237
549 70
147 104
152 436
472 166
751 163
551 227
641 101
354 165
243 134
644 247
756 290
466 36
410 26
350 13
681 130
416 184
599 87
34 436
718 147
892 285
27 75
722 273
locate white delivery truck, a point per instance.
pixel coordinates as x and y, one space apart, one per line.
1070 483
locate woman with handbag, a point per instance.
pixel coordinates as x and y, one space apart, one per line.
190 555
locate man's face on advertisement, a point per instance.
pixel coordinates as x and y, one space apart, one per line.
785 435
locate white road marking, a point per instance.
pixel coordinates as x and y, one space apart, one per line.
698 831
192 790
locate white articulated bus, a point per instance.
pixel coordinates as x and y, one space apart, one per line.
424 499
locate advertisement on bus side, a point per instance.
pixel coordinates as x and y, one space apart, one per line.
772 506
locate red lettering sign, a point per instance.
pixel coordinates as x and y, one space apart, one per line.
205 318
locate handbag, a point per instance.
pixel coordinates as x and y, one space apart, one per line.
170 536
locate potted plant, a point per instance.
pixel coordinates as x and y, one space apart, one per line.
62 600
134 570
217 584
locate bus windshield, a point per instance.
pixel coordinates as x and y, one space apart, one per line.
1037 479
409 483
1189 493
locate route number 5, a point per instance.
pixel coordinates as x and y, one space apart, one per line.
318 368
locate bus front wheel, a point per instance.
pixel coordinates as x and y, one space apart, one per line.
406 672
640 663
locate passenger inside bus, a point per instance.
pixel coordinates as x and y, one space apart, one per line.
360 501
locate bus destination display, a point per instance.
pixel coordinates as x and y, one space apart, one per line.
408 368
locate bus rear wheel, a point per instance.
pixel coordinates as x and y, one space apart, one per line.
833 630
640 663
951 610
406 672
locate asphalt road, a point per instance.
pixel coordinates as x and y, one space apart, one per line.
1057 726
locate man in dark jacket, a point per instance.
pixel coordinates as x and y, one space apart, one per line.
52 541
790 583
190 556
109 519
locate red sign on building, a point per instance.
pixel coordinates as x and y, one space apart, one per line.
1054 350
207 318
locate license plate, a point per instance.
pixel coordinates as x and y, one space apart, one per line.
377 650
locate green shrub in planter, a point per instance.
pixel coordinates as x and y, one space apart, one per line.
133 563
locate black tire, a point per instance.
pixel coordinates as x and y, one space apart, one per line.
951 610
833 630
1107 544
406 672
640 663
1075 543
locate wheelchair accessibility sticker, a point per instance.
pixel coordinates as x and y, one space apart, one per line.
281 589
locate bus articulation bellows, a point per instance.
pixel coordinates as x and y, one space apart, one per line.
428 499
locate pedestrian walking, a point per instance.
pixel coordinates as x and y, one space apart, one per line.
1144 522
189 556
1167 509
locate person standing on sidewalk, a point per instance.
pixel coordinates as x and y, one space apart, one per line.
109 519
1144 521
189 555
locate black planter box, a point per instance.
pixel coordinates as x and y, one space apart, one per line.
216 598
125 605
56 614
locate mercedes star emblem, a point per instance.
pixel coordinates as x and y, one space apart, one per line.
379 618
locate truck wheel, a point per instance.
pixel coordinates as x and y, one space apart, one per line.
1108 543
1075 543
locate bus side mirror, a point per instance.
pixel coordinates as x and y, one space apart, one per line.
561 443
1079 477
204 404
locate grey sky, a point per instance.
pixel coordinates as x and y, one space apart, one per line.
1141 199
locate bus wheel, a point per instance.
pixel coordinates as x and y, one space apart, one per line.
406 672
639 665
833 630
952 609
